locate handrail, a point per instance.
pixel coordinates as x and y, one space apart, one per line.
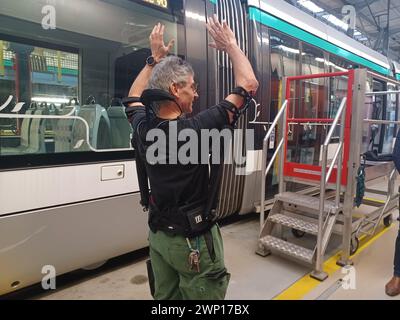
376 93
282 112
325 176
275 121
388 199
328 175
373 121
271 161
335 121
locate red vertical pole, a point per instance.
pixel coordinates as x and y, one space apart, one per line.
347 129
287 97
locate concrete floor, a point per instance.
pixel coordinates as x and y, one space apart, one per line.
253 276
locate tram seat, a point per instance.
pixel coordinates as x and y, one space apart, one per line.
37 132
99 128
25 127
32 135
52 111
63 130
121 130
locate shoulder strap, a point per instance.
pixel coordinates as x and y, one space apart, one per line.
215 183
141 167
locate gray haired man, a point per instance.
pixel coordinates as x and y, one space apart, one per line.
187 257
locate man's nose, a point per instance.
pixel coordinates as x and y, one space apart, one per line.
196 96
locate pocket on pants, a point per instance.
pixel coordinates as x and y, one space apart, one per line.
210 286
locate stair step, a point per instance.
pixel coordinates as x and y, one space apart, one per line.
288 248
305 201
294 223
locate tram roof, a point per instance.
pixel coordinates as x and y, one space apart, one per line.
377 21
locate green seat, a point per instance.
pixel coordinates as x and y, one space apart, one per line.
121 130
32 135
63 130
99 128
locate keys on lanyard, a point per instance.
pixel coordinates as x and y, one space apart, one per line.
194 260
194 256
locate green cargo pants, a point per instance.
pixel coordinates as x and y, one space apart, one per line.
174 280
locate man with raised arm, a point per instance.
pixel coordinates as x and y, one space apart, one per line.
186 247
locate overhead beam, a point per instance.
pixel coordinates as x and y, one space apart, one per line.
392 32
359 14
386 39
365 33
372 15
359 6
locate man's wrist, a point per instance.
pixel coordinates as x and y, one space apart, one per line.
231 47
151 61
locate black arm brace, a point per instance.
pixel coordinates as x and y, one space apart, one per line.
129 110
237 112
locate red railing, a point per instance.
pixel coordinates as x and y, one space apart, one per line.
313 172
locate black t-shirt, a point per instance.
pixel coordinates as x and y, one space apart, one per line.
175 184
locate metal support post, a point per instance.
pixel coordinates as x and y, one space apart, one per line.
282 134
358 100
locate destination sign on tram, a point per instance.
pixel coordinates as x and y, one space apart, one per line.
158 3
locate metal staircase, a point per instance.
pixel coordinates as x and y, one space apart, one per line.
298 212
314 215
332 209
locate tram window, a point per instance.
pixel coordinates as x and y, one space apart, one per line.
285 53
285 61
44 80
312 60
390 114
379 138
338 85
311 103
91 56
338 64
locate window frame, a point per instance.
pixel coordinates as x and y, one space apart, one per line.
32 161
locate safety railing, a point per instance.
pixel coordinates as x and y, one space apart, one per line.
281 114
338 157
373 223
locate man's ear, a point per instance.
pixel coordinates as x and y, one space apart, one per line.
173 89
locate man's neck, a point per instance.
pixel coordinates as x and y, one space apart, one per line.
168 111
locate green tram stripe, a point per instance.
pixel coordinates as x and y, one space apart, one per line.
278 24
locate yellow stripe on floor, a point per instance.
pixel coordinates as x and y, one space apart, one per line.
375 200
303 286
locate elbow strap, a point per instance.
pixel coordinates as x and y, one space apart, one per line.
241 92
129 100
237 112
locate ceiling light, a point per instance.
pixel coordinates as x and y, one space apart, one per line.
50 99
337 22
310 6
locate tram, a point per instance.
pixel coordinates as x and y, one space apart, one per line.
69 195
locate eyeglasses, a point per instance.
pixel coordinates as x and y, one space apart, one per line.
195 87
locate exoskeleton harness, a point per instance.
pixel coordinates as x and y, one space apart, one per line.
192 219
